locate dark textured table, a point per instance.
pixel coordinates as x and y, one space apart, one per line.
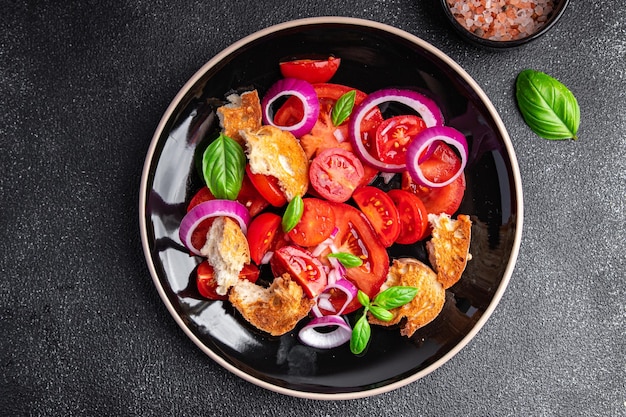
82 329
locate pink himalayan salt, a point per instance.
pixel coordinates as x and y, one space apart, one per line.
501 20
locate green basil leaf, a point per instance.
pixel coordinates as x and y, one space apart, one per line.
293 213
347 259
381 313
343 107
360 335
395 297
223 167
363 298
548 107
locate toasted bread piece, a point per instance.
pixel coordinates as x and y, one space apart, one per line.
448 250
243 112
275 310
275 152
227 251
426 305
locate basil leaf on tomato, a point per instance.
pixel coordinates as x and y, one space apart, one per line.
343 107
223 166
293 214
394 297
347 259
548 107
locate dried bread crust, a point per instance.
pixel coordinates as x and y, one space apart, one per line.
426 305
448 250
227 251
275 152
276 309
242 112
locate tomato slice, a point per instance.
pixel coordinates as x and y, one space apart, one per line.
380 211
305 269
335 173
356 236
311 70
393 136
413 216
248 196
268 188
207 285
315 225
440 166
264 234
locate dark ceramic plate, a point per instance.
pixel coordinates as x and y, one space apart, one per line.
373 56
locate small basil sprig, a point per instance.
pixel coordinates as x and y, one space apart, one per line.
293 213
548 107
343 107
391 298
347 259
223 167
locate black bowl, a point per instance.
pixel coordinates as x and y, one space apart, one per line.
555 15
373 56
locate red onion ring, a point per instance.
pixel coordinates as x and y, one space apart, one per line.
425 139
328 340
301 89
427 109
208 209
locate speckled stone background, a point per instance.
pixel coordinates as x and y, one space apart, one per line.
83 331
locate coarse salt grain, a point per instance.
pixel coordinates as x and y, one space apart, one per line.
501 20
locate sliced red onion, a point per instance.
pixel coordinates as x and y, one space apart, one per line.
301 89
426 138
346 287
208 209
427 109
326 340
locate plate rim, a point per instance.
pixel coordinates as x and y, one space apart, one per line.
508 271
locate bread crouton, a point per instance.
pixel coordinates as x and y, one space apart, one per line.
242 112
275 310
448 250
426 305
227 251
275 152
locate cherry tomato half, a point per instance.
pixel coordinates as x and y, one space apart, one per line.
248 196
315 225
268 188
305 269
311 70
413 216
335 173
393 136
264 234
440 166
380 211
207 285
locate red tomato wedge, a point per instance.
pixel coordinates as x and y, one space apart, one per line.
440 166
335 173
311 70
264 234
380 211
305 269
356 236
393 136
267 186
207 285
316 224
413 216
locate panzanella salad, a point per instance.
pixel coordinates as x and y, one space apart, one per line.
289 190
